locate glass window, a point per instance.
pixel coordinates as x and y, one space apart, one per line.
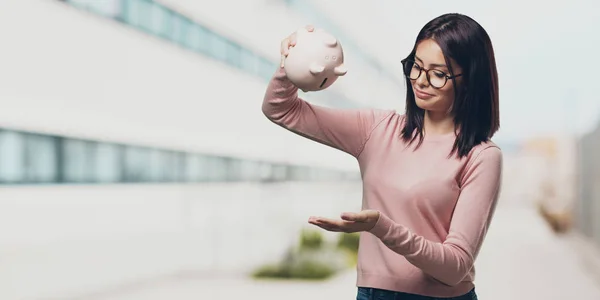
12 158
137 164
145 14
192 38
248 61
78 3
243 170
41 158
158 165
37 158
181 27
78 160
132 12
234 54
179 169
204 39
267 68
218 47
107 8
164 166
107 163
299 173
217 168
155 18
249 170
195 168
265 172
160 19
234 169
280 172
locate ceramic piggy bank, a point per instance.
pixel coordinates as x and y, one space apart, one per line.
316 61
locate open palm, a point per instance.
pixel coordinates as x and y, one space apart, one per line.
349 222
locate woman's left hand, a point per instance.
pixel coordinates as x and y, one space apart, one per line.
350 222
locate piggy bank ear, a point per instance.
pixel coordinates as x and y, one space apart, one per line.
328 39
316 69
340 70
331 41
302 30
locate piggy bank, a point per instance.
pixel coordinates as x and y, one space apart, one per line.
316 61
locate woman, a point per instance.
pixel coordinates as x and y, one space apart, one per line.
431 176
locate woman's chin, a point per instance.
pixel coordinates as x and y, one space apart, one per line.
425 104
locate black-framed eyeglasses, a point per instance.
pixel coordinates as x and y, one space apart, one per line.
436 78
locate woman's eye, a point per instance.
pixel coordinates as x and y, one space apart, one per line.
439 74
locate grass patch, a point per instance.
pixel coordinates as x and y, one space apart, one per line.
314 258
310 270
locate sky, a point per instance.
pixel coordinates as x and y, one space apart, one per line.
546 54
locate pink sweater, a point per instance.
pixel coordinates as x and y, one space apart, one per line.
435 210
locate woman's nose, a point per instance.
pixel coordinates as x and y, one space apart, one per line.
422 80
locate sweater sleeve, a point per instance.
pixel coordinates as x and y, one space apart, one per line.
343 129
451 261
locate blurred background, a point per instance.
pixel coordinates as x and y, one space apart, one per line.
135 161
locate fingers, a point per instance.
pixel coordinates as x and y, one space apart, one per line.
285 45
330 225
290 41
355 217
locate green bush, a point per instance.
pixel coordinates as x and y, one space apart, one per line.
272 271
312 270
311 239
313 259
349 241
307 270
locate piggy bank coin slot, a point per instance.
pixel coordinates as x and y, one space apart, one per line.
323 83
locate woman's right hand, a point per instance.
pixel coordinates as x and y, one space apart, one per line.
289 42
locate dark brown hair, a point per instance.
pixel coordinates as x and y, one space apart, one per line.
475 108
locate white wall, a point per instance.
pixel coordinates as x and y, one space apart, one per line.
63 241
262 24
68 72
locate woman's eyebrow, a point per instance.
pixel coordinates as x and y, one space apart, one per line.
435 65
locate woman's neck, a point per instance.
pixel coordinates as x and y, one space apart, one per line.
438 123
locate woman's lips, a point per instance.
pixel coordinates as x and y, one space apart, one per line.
423 95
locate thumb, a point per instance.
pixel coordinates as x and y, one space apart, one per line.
356 217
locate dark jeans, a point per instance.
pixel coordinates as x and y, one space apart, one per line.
377 294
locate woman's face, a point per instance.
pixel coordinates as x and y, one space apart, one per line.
429 56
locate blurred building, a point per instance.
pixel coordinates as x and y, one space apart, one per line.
587 209
561 175
546 169
128 127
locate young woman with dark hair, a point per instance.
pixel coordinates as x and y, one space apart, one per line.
431 176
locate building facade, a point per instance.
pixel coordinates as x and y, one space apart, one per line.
587 207
133 145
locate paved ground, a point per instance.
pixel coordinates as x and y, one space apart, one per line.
522 259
